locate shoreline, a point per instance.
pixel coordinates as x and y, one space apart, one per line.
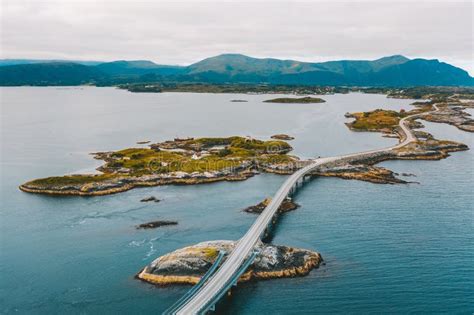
137 184
362 167
187 265
409 147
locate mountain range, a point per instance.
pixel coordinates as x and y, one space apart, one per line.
394 70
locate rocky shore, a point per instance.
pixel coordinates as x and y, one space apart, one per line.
155 224
453 113
362 167
185 161
282 136
188 265
124 183
192 161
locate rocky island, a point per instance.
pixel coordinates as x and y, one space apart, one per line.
151 198
452 113
300 100
178 161
207 160
189 264
286 205
282 136
155 224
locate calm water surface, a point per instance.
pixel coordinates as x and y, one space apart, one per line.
388 248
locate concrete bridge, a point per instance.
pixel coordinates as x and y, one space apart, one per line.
204 298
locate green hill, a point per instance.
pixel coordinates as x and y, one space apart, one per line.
240 69
53 73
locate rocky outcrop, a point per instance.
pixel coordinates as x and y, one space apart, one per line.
270 158
286 205
282 136
377 175
155 224
178 161
124 183
151 198
362 167
188 265
453 114
430 149
292 100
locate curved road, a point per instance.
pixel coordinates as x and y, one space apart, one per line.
246 244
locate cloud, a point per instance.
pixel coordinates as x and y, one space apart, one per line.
182 32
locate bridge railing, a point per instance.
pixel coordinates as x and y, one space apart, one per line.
232 281
258 227
173 308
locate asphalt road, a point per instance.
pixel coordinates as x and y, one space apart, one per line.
247 243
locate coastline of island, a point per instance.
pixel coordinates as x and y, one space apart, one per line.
414 145
207 160
292 100
188 265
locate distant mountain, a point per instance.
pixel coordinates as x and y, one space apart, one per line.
346 67
12 62
388 71
423 72
53 73
236 68
137 68
236 64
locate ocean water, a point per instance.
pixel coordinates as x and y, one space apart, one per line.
388 248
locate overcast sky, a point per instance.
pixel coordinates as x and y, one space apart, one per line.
182 32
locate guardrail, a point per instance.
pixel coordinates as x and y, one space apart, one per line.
210 305
173 308
237 261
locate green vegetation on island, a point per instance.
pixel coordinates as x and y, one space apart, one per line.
178 161
376 120
230 88
300 100
205 160
76 179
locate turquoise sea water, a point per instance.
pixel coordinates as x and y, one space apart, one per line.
388 248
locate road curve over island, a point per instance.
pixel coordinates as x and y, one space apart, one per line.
244 247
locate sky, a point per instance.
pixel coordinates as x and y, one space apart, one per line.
183 32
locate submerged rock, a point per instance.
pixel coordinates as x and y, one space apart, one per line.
188 265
